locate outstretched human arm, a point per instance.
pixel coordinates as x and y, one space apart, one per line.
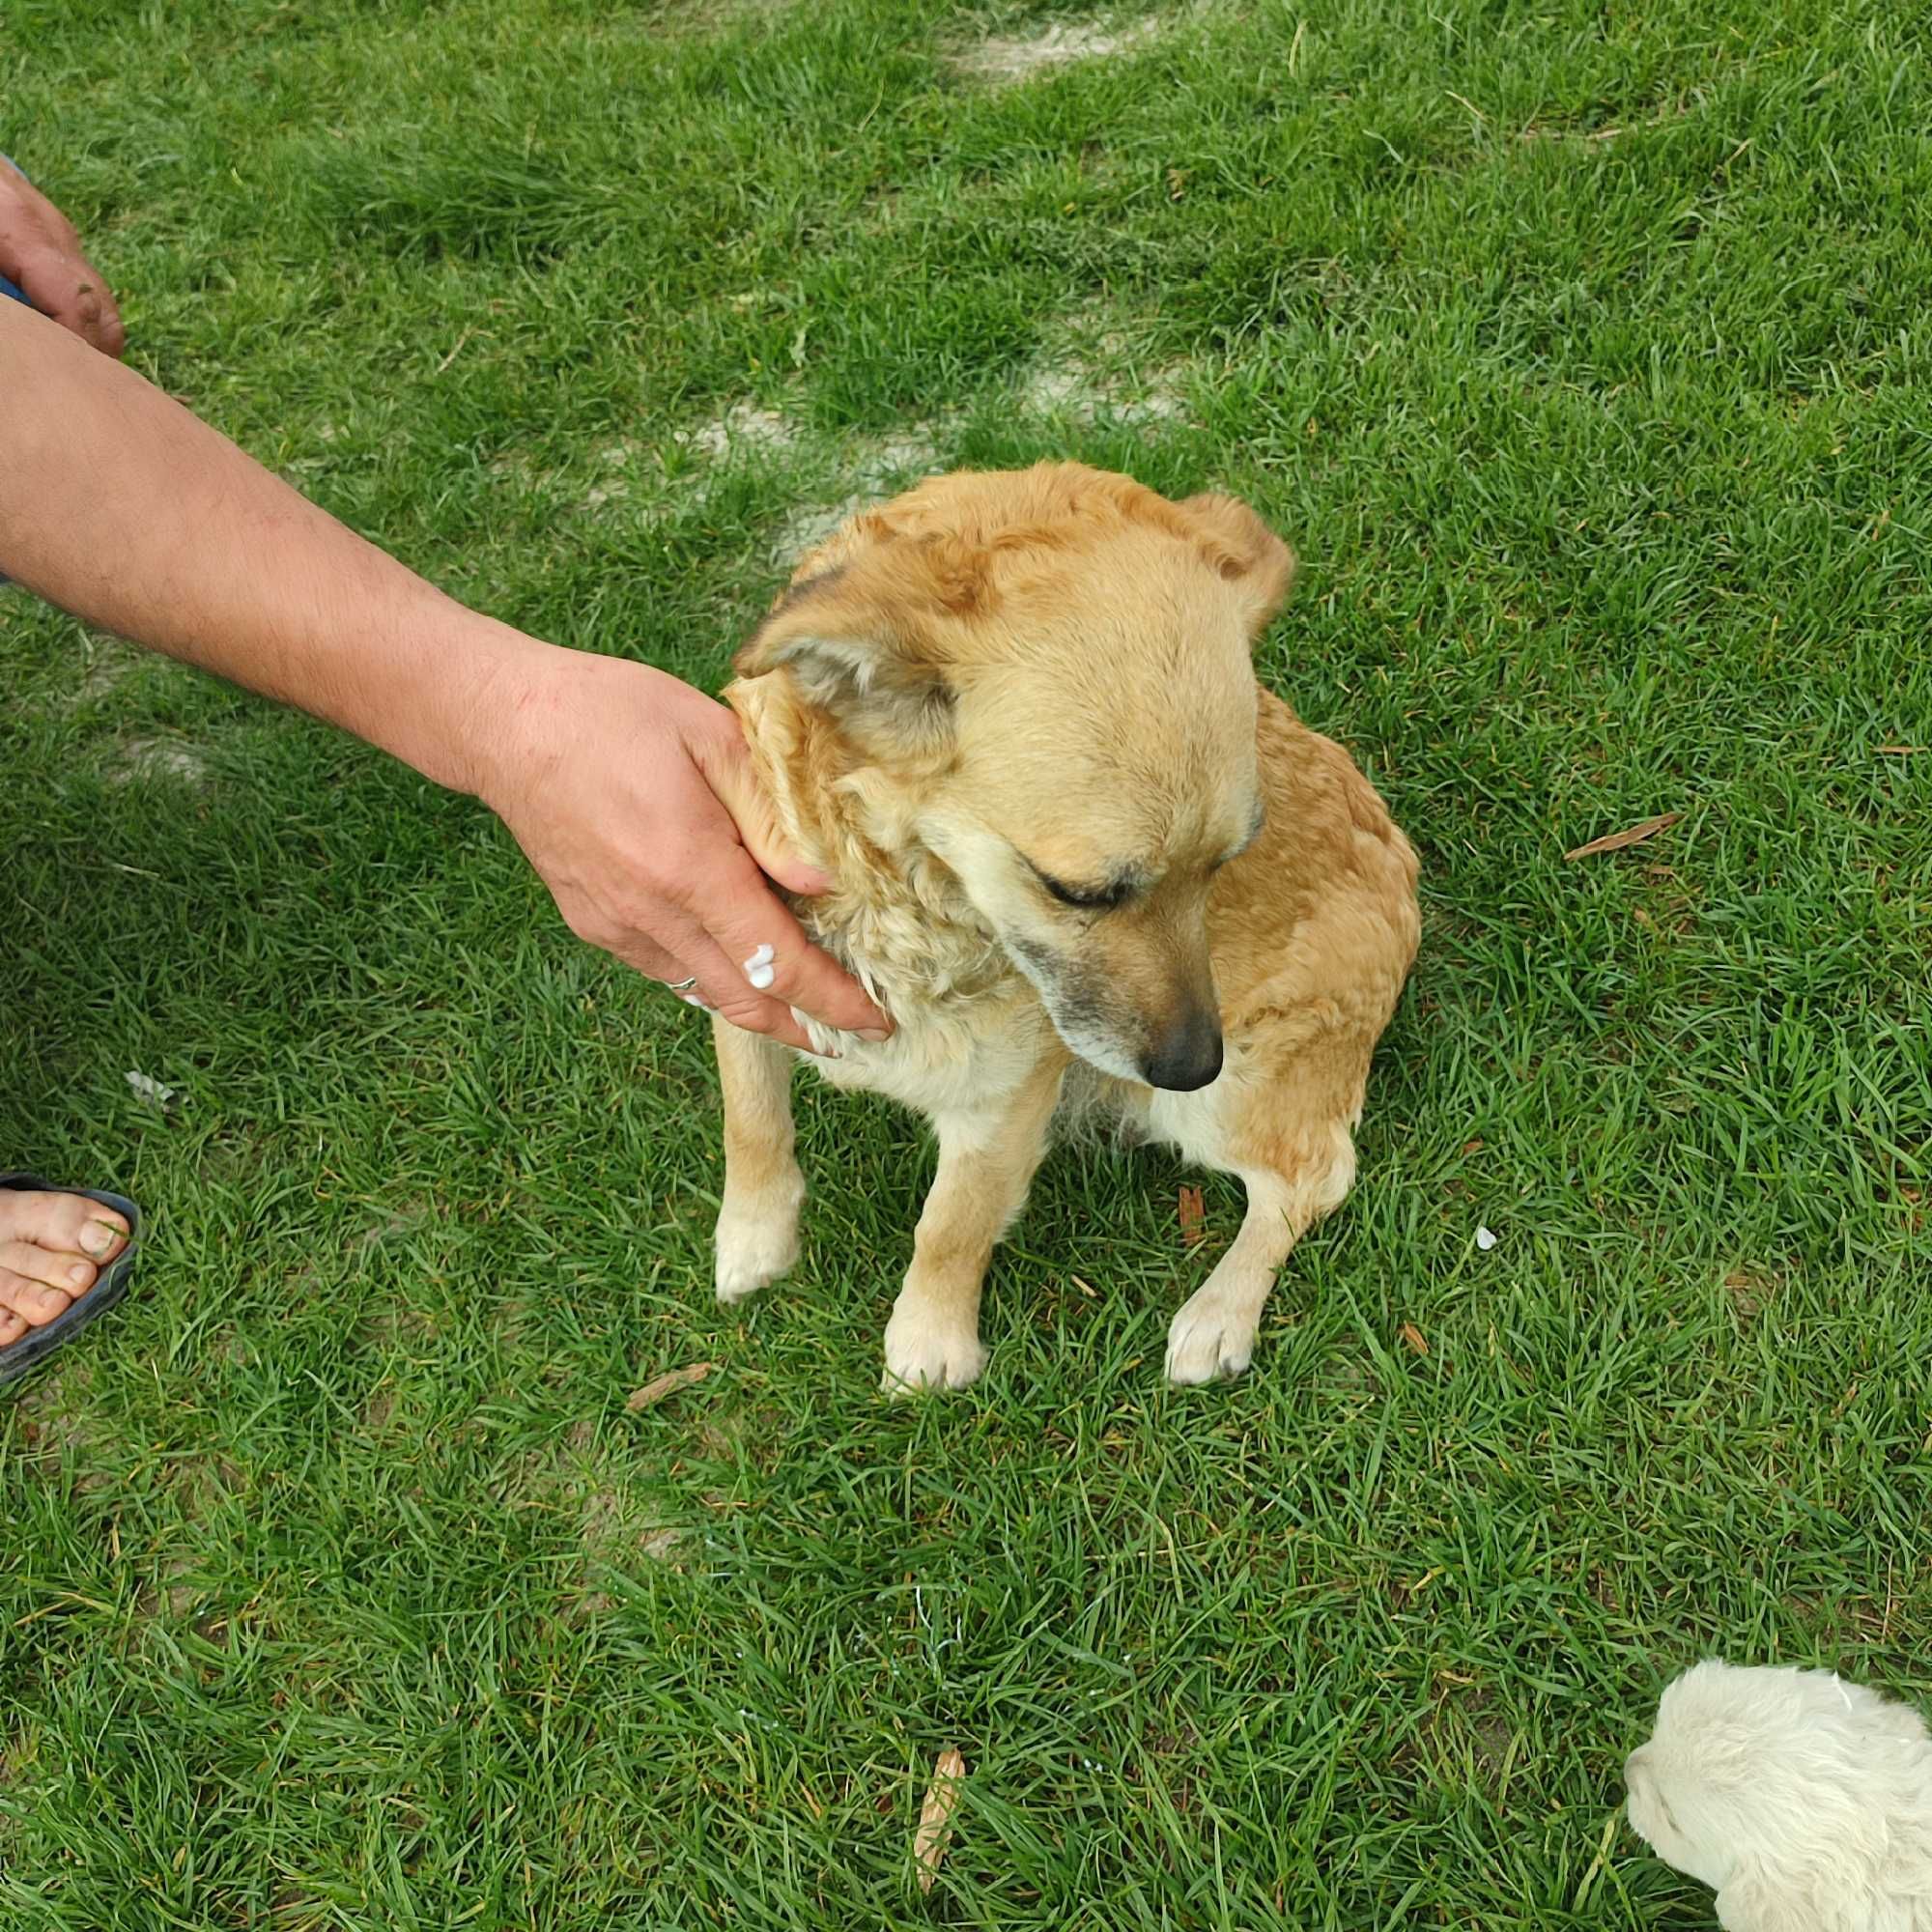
630 792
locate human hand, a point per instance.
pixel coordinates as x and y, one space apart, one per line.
633 796
39 250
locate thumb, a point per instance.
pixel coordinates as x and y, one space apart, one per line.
727 771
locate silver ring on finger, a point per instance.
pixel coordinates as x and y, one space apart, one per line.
681 987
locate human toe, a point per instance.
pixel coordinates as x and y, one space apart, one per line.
33 1301
57 1268
63 1224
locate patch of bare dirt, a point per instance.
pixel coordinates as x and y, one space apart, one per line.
1005 60
141 759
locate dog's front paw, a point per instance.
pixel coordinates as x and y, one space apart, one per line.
753 1249
924 1350
1211 1340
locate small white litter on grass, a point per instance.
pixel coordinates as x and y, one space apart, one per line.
1485 1239
150 1088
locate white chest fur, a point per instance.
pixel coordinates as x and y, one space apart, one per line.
954 1054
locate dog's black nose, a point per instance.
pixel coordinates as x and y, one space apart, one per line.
1187 1055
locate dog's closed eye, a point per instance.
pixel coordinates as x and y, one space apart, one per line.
1092 898
1126 880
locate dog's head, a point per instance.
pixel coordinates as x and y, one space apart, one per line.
1686 1786
1774 1787
1045 680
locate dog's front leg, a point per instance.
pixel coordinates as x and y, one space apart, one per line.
758 1224
986 1162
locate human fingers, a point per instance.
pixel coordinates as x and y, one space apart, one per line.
724 762
39 250
769 953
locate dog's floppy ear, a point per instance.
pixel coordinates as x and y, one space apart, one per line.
1246 552
866 638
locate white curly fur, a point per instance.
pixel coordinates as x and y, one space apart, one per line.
1807 1801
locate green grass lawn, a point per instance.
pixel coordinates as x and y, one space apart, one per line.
1583 353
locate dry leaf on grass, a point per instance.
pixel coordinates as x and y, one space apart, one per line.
1615 841
1412 1335
1900 750
935 1816
1193 1211
669 1384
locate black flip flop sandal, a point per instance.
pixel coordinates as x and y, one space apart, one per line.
109 1286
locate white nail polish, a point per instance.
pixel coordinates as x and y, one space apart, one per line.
697 1000
758 968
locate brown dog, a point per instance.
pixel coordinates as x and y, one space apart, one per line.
1014 716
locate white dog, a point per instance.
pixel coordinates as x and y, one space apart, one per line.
1807 1801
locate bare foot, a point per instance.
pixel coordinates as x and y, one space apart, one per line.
52 1249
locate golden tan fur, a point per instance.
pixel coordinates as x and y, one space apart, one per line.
1004 688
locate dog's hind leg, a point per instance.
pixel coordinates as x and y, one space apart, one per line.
986 1162
758 1224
